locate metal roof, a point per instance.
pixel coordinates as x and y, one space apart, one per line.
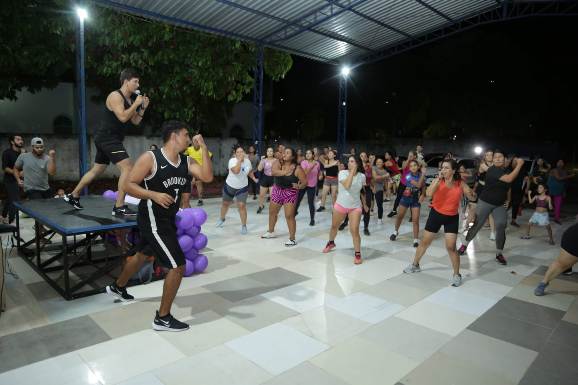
332 31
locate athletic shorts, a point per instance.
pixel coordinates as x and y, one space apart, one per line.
282 196
569 241
344 210
330 181
240 195
409 202
436 220
110 151
266 181
540 219
160 242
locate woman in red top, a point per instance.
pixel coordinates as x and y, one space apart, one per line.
446 190
395 175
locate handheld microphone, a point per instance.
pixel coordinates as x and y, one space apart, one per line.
140 108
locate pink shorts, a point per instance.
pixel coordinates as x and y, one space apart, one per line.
340 209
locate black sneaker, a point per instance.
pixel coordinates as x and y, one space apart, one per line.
392 214
169 323
501 260
312 222
366 232
119 292
123 211
200 202
320 209
74 202
260 209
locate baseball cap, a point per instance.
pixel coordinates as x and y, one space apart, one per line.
37 142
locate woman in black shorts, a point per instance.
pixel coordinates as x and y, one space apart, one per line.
567 258
446 190
266 178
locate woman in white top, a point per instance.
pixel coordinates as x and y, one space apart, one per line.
350 202
236 186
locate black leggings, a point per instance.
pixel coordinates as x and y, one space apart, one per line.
517 197
379 202
12 195
400 190
310 199
366 214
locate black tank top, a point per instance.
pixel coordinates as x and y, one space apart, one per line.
112 129
168 178
286 181
331 171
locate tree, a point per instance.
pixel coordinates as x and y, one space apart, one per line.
184 72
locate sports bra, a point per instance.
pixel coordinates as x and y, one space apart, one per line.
331 171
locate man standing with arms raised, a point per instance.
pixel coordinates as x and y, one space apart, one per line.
158 179
120 113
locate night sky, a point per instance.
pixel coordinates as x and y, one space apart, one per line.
513 80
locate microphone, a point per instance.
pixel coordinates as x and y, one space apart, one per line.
140 108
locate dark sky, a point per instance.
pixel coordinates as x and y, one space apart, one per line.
509 80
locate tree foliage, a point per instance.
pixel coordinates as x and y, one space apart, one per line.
188 75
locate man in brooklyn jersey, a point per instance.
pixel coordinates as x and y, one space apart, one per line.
158 179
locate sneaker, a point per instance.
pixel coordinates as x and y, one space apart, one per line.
290 243
412 269
269 235
254 197
200 202
568 272
357 259
329 246
220 223
526 237
260 209
393 236
123 211
342 226
320 209
169 323
492 236
501 260
392 214
243 230
74 202
462 249
456 280
312 222
540 289
119 292
366 232
380 221
415 243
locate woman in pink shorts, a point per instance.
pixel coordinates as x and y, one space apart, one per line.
289 178
349 203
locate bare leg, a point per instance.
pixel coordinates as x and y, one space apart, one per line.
549 229
274 209
224 208
333 194
336 220
199 185
132 265
170 288
492 224
426 241
262 192
451 248
242 212
400 214
529 228
125 166
415 221
564 261
87 178
354 220
289 210
324 193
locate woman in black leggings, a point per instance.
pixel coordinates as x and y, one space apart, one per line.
312 170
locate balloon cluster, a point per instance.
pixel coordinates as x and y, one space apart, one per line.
191 240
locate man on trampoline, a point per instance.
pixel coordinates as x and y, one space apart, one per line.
158 179
119 113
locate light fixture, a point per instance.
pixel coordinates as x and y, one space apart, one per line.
81 13
478 150
345 71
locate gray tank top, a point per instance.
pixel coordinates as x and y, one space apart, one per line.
379 184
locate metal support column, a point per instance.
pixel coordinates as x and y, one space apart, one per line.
81 88
258 103
342 116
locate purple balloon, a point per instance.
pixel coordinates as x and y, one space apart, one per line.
185 219
201 263
200 241
199 216
191 254
180 231
189 268
193 231
186 243
109 194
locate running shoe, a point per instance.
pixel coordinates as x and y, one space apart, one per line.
415 243
119 292
312 222
366 232
462 249
568 272
260 209
320 209
380 221
540 289
357 259
412 269
492 236
526 237
392 214
291 243
169 323
342 226
269 235
74 202
393 236
329 246
501 260
243 230
123 211
220 223
456 280
200 202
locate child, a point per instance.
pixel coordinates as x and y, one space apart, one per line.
540 216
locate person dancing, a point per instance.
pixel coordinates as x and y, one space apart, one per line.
446 190
158 179
266 178
311 168
120 113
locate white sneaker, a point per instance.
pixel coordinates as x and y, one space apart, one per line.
456 280
269 235
380 221
290 243
412 269
492 236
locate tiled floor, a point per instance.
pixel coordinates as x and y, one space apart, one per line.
266 314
